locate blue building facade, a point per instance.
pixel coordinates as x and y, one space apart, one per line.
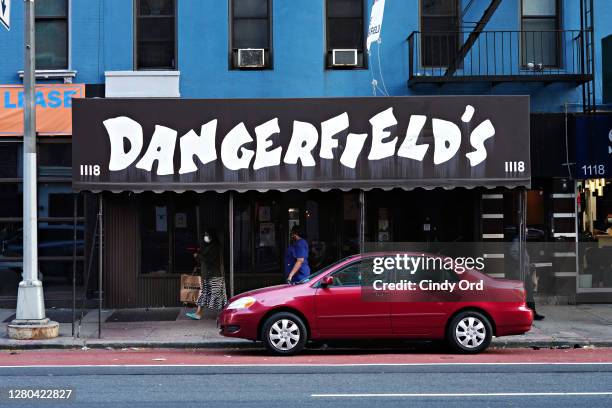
550 50
102 38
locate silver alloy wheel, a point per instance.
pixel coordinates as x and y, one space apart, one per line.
470 332
284 334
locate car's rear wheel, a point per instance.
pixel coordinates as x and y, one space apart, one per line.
469 332
284 334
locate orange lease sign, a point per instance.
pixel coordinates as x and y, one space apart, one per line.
53 108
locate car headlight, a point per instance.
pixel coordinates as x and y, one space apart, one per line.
242 303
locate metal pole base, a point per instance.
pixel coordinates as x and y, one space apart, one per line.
30 300
30 322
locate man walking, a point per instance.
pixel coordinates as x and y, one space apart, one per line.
297 268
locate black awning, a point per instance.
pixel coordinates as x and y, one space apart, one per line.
284 144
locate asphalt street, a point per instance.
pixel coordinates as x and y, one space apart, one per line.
343 385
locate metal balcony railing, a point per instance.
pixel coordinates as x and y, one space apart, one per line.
499 56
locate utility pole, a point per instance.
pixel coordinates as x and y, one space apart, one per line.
30 320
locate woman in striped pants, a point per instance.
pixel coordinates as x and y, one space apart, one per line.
213 295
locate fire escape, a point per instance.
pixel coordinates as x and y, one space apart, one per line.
473 54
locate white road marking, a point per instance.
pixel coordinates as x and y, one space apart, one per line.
308 365
472 394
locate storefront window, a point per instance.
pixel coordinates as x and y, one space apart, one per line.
595 248
11 211
172 226
55 160
10 160
55 203
56 246
12 200
269 217
10 258
56 200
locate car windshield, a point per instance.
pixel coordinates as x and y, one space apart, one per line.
320 271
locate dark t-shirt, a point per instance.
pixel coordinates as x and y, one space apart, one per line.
211 263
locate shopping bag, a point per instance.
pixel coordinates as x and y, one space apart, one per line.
190 288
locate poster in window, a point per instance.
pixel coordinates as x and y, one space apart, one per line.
383 225
161 219
266 234
264 214
180 220
383 219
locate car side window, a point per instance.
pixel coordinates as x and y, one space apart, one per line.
348 276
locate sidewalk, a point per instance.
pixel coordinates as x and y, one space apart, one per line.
564 326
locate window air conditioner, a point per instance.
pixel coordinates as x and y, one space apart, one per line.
251 58
344 58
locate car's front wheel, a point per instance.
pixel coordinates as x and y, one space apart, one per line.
469 332
284 333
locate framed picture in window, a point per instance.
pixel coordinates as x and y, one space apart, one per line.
161 219
264 214
267 236
180 220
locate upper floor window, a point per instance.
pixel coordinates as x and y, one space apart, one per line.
251 34
440 38
51 26
540 41
155 34
345 33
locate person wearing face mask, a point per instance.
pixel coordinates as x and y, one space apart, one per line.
213 294
296 258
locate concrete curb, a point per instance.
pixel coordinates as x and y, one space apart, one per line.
101 344
552 344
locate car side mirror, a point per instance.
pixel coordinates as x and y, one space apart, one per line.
327 281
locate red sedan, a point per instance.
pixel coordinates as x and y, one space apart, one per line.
343 301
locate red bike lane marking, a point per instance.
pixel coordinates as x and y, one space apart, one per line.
234 357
